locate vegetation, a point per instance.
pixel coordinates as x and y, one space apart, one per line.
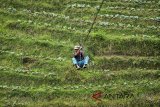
36 45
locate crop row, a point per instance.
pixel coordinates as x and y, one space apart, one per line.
33 56
100 71
122 1
43 13
106 24
128 17
128 62
67 87
88 22
114 3
28 79
136 42
57 6
73 28
77 5
10 52
70 28
67 18
130 26
90 87
29 72
137 1
51 14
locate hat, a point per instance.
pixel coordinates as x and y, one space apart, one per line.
76 47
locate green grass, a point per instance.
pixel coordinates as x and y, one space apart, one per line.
124 55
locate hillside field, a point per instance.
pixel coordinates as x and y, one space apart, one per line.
36 46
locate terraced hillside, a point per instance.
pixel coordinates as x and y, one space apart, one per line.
36 45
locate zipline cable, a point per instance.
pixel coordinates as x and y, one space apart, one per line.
89 31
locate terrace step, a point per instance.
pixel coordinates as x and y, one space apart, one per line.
112 62
111 45
122 3
89 12
125 62
146 28
26 79
53 6
89 87
81 92
75 25
33 78
109 18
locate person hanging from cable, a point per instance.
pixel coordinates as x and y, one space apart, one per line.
79 60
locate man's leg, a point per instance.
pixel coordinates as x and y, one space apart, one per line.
81 63
75 62
86 59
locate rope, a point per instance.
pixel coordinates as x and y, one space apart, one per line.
98 10
80 40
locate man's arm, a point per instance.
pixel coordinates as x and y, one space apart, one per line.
77 53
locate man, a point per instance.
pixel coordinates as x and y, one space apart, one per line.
79 60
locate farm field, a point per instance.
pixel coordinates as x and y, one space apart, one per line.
37 38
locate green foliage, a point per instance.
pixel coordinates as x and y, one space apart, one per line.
72 77
36 47
127 62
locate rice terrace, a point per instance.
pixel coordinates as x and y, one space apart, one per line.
117 43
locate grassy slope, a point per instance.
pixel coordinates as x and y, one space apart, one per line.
124 55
